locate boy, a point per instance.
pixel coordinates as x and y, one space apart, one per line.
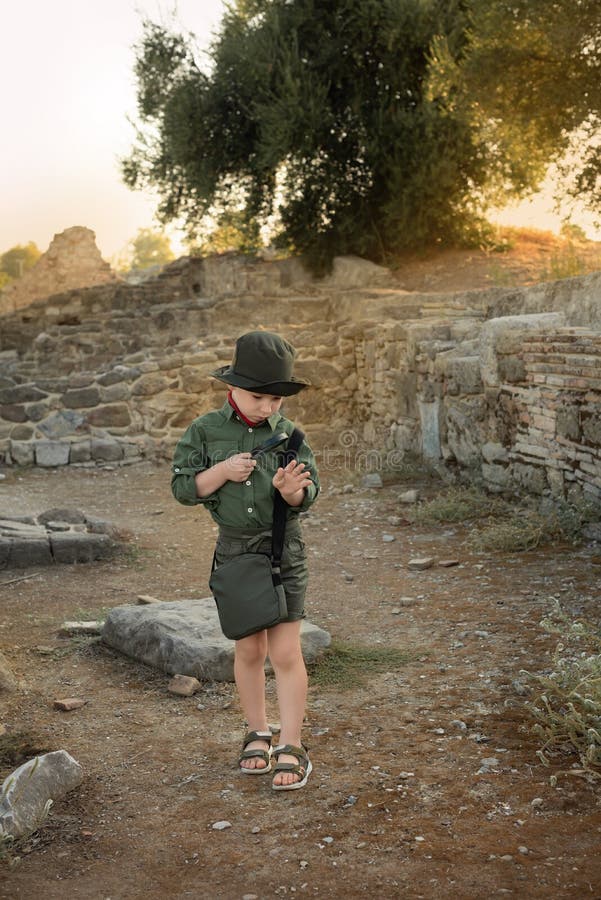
213 466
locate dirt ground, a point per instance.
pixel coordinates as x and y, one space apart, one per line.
528 256
396 806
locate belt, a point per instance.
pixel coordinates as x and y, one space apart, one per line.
293 529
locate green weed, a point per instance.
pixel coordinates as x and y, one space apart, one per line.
349 665
567 708
459 504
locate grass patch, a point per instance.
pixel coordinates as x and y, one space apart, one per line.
519 529
350 665
567 708
459 504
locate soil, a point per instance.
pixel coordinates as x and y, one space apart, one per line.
399 803
522 256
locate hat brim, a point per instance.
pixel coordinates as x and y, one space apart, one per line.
277 388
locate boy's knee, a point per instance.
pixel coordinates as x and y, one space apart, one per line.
252 649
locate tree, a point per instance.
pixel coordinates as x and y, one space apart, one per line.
150 248
322 115
20 258
533 72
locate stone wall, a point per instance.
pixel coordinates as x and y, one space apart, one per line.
503 384
71 261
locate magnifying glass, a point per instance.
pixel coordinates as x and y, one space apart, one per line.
270 444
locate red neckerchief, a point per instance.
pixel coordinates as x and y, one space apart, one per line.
241 415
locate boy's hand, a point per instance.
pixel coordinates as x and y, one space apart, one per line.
239 467
291 482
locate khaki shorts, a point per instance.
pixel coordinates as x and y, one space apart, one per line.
295 573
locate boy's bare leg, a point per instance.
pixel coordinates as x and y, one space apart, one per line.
249 672
284 649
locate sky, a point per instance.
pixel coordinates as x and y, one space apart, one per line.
66 70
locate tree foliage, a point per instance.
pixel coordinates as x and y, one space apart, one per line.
533 71
318 114
150 248
20 258
362 126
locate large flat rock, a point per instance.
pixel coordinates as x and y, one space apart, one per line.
183 637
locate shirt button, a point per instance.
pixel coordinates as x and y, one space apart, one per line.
250 429
250 509
248 482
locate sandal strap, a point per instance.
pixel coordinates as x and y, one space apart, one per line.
291 750
256 736
256 753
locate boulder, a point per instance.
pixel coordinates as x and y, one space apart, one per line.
183 637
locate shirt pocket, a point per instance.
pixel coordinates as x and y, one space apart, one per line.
220 450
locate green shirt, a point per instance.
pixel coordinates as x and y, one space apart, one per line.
216 436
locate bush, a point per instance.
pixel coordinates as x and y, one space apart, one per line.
568 708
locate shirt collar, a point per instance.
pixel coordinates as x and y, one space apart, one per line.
229 413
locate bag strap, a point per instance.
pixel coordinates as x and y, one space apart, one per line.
280 507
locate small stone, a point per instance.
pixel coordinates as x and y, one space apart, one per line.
69 703
488 763
447 563
328 840
372 480
407 601
507 857
405 775
523 850
183 685
481 634
395 520
348 488
146 599
439 731
255 830
303 864
537 802
420 563
458 723
348 577
250 897
370 554
388 538
221 826
419 838
396 611
411 496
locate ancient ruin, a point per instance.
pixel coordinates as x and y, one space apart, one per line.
503 384
72 261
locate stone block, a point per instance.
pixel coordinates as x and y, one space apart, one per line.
51 453
494 452
73 547
5 545
532 479
81 398
496 476
21 393
114 415
147 385
465 372
69 514
102 449
591 429
61 423
22 453
28 552
13 412
184 637
29 790
80 451
505 335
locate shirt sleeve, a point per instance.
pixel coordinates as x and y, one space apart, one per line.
189 459
305 455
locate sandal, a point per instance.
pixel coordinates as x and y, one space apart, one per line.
303 768
256 753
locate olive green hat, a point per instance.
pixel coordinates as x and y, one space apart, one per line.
262 363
